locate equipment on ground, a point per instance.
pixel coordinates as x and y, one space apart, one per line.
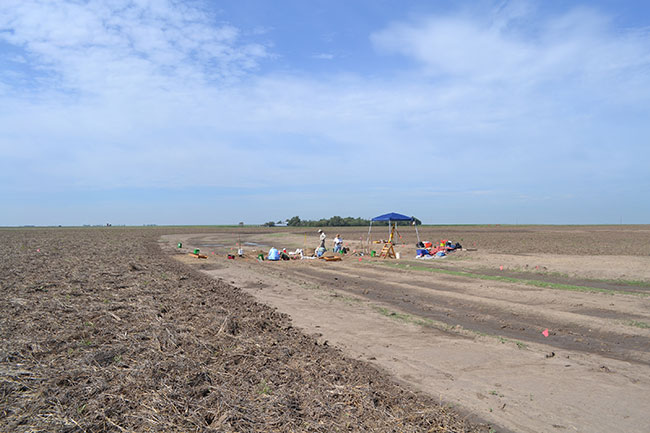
388 251
198 256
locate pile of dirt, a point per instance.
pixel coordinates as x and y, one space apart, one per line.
104 332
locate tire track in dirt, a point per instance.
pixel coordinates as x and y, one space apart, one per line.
529 391
430 299
614 286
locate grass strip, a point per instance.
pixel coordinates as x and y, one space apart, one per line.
636 283
536 283
407 318
638 324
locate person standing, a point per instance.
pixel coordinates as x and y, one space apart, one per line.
322 238
338 243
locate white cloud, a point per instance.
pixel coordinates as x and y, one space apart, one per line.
323 56
96 46
515 49
143 94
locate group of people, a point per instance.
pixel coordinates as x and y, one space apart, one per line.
274 254
338 243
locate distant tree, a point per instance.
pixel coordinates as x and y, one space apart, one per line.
294 222
335 221
241 223
269 224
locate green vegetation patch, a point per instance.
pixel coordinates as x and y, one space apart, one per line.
407 318
536 283
635 283
639 324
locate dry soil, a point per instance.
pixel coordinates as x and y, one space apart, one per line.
468 329
103 331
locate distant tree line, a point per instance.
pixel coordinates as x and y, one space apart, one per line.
335 221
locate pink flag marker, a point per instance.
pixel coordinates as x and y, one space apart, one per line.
500 268
359 258
545 332
38 250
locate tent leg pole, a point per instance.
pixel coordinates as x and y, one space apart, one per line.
368 240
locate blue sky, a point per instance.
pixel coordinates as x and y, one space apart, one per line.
206 112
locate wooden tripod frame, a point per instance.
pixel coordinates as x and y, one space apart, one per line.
388 252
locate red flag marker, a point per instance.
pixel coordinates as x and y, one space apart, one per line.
38 250
545 332
359 258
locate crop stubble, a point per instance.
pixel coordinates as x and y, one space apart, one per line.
101 331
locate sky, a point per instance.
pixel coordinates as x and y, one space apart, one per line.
219 112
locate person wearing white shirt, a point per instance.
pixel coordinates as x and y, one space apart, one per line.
338 243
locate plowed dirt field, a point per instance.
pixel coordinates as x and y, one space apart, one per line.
533 329
103 331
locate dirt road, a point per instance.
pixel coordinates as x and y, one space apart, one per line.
470 333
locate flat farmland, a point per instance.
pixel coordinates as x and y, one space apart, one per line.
103 331
529 328
118 329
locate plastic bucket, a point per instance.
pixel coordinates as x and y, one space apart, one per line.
398 255
196 250
372 253
180 245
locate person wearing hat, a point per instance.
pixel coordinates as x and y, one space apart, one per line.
323 236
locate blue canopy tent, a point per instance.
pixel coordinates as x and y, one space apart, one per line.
392 219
